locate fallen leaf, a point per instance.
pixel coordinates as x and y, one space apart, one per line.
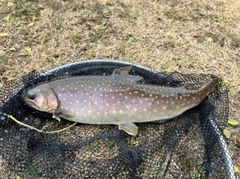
3 34
233 122
104 22
31 24
227 133
236 169
12 49
87 27
23 54
28 49
9 4
2 53
225 81
11 20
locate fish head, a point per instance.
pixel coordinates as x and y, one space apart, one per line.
41 98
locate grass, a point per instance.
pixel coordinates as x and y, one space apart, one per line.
188 36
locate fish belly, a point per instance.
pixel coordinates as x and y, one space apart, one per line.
115 107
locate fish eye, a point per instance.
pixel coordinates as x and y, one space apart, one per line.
31 96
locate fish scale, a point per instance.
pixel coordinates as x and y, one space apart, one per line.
115 99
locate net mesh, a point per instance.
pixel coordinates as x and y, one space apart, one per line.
188 146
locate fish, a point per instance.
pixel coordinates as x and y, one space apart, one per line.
117 99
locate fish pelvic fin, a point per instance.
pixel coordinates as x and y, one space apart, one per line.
129 128
124 71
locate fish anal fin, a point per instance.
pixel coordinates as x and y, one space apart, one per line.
124 71
129 128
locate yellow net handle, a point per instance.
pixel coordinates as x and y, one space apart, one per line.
38 130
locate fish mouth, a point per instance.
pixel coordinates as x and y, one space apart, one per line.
30 102
29 99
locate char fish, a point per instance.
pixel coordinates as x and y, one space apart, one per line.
115 99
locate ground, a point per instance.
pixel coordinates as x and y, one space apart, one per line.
187 36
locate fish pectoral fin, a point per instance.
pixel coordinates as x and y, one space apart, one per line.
129 128
56 116
68 116
125 72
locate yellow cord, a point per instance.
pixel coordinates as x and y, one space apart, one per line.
33 128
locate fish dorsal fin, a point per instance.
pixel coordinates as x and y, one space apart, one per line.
124 71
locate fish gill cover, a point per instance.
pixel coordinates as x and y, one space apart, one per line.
188 146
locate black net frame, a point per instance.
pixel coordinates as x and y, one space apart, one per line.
188 146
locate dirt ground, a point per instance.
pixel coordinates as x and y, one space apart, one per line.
187 36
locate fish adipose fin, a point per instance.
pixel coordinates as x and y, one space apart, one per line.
129 128
124 71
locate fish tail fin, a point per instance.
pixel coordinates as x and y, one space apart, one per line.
210 86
